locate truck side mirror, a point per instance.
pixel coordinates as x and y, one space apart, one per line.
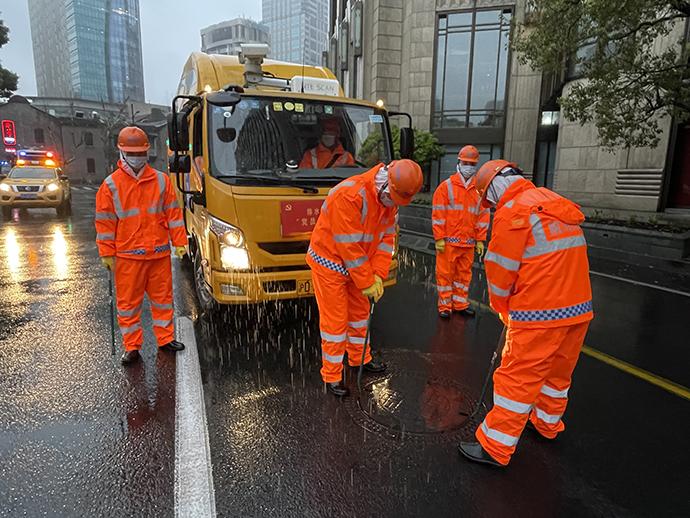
406 143
179 164
178 132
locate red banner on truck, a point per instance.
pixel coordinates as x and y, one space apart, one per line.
299 216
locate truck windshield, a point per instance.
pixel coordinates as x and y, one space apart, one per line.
34 173
296 139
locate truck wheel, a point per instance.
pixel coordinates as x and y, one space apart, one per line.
207 303
7 212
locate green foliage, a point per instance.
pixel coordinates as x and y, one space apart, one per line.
629 81
427 149
8 80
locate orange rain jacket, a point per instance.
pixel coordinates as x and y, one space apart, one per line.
320 156
355 233
137 218
456 215
536 265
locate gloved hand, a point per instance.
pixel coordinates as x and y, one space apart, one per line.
479 247
441 245
504 318
375 291
108 262
180 251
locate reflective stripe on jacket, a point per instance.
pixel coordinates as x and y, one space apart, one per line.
355 232
456 214
536 264
138 218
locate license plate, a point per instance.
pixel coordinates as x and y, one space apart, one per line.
305 287
28 196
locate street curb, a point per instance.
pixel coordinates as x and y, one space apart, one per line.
194 493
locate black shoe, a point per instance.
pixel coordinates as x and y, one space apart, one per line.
444 314
338 389
129 357
467 312
173 346
474 452
530 426
374 366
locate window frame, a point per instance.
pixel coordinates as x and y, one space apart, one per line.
494 130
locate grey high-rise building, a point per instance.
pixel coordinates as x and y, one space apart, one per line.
299 29
226 37
88 49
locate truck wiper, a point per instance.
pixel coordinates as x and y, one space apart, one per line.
269 179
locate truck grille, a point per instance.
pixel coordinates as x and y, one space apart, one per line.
27 188
285 247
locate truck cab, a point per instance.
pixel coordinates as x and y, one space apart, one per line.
255 147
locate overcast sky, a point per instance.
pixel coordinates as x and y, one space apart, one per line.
169 32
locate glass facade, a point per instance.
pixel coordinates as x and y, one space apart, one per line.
298 28
103 42
471 69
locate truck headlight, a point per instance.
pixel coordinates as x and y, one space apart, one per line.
5 187
234 258
233 252
226 233
52 187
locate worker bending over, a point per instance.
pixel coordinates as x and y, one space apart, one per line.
538 280
350 254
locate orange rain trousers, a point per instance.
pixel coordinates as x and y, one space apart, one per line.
343 314
532 382
453 277
133 278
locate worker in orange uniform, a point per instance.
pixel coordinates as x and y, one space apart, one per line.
459 226
137 216
538 279
330 151
350 254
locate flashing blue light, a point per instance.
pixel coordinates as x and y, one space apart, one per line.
22 153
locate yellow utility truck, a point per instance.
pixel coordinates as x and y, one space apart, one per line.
255 146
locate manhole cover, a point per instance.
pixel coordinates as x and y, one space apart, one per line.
414 405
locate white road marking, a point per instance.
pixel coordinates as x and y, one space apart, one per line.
639 283
194 493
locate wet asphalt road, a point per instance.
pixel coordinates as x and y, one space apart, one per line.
80 436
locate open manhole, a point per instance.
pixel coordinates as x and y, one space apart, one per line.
414 405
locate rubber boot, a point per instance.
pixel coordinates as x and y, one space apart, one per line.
338 389
130 357
474 452
173 346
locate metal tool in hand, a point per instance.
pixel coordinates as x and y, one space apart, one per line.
497 351
366 343
112 312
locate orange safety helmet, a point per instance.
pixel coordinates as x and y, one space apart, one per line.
487 173
132 140
469 154
404 180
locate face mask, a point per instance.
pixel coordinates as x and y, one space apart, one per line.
385 198
467 171
328 140
381 182
135 162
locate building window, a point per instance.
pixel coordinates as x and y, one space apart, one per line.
90 166
39 136
88 138
471 69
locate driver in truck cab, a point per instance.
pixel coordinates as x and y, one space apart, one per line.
329 152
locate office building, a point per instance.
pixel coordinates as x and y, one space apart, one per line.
299 29
88 50
448 64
